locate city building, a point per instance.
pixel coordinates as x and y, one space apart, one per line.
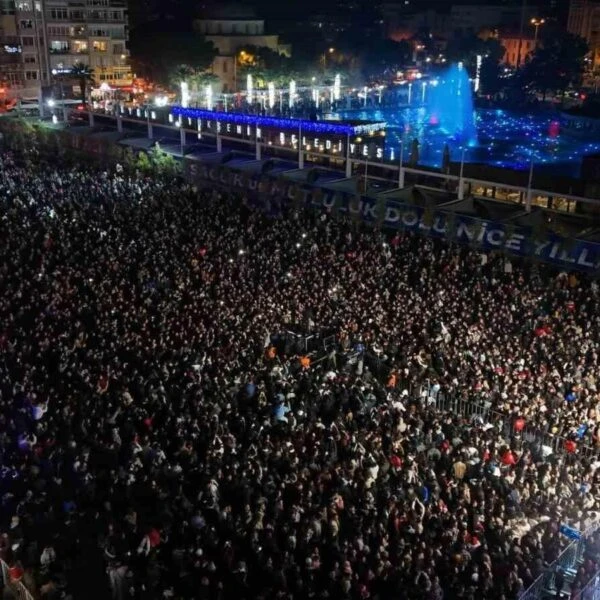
473 18
558 10
231 27
42 39
517 48
404 25
584 21
454 20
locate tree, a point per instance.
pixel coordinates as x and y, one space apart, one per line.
84 75
200 79
265 65
162 163
197 79
143 163
157 52
384 56
467 48
492 52
556 64
179 74
129 159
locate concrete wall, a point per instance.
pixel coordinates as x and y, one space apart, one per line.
230 27
229 44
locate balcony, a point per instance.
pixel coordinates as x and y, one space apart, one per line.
106 21
109 4
59 50
67 21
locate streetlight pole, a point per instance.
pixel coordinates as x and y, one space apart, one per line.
536 23
58 80
521 29
348 161
461 181
401 174
529 191
330 51
300 149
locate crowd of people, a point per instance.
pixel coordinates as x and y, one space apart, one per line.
201 400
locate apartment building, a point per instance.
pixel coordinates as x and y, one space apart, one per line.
584 20
42 39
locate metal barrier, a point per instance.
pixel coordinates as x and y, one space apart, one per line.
567 563
591 590
449 402
20 591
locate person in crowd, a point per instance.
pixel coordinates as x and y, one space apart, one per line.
164 434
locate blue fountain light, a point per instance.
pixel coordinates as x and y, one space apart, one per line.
450 104
494 137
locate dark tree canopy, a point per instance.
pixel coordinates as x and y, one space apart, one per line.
384 55
556 64
158 53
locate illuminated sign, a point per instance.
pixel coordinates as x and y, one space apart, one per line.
464 229
360 140
12 49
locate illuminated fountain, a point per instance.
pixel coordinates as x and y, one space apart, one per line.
450 105
441 118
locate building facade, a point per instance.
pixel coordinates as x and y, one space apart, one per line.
231 28
450 20
42 39
517 49
584 21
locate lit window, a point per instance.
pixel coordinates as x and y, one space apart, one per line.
59 46
80 46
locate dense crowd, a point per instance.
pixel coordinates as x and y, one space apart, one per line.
162 436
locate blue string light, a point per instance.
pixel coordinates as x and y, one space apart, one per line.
277 123
505 139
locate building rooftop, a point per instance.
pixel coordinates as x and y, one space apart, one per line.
229 11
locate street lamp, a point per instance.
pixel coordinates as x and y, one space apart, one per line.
242 57
62 94
249 89
271 88
330 51
536 23
185 94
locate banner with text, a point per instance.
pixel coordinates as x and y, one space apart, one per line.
270 192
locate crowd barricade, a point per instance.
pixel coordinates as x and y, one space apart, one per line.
470 408
476 409
18 589
591 590
302 343
567 563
